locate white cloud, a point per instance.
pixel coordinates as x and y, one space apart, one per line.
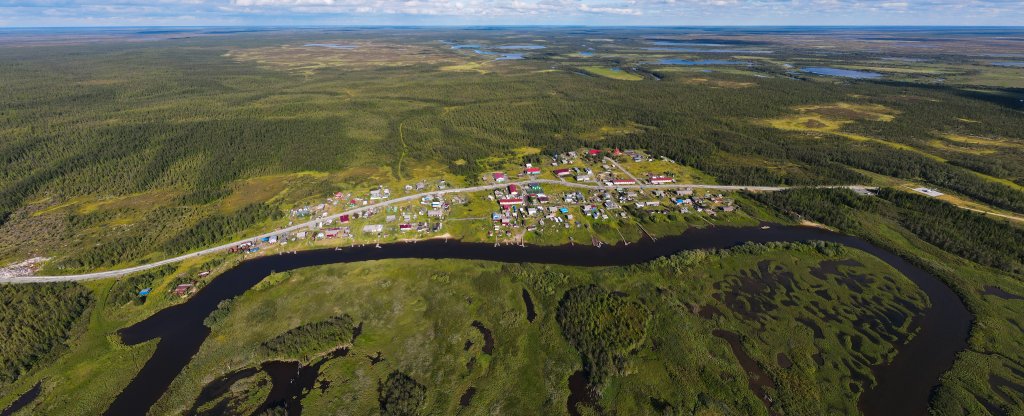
636 12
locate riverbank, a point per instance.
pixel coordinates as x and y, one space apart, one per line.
932 360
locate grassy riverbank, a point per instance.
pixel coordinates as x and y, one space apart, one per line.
409 309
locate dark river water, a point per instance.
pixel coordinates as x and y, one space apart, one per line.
903 386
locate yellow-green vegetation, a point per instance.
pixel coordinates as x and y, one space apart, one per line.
831 119
93 348
613 73
405 310
930 232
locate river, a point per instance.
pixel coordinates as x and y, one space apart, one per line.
904 386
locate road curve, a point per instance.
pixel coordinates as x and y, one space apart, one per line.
311 223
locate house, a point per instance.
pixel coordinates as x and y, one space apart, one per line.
728 208
624 182
405 227
542 199
507 202
532 170
658 180
184 289
436 213
343 219
513 189
561 172
373 228
593 152
499 177
584 178
332 232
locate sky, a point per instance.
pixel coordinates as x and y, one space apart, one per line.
70 13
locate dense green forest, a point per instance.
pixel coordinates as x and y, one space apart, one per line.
304 341
123 151
400 395
37 320
985 240
603 327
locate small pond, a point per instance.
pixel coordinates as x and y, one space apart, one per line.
330 45
520 47
845 73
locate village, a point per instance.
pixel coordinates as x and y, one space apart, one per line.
578 197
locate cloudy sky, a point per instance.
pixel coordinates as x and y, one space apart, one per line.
508 12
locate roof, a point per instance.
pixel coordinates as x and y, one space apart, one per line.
594 152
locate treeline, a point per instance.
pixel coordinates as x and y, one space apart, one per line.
604 328
310 339
964 233
974 236
36 321
218 227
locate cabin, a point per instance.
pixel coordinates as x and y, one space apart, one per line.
184 289
532 170
405 227
513 189
593 152
343 219
562 172
499 177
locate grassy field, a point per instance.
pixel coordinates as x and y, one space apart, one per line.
406 318
613 73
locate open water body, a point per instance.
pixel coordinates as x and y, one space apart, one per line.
844 73
903 386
